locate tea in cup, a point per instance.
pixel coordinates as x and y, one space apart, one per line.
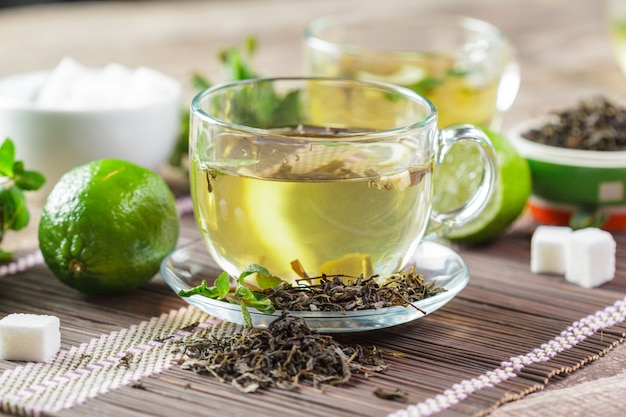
465 66
329 173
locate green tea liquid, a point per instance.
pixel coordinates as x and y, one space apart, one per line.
275 218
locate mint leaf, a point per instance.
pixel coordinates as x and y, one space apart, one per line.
15 214
242 294
287 110
202 289
7 156
425 85
265 109
222 285
265 306
199 82
5 256
247 318
268 281
29 180
253 269
14 178
264 278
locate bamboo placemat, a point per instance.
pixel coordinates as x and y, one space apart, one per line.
506 335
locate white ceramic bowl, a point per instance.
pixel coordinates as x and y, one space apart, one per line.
53 141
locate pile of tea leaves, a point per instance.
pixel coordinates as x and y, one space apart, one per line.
335 293
340 293
289 353
285 355
594 124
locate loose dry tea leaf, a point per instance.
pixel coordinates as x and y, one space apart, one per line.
395 395
594 124
286 354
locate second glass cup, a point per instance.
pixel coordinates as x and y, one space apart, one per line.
334 173
465 66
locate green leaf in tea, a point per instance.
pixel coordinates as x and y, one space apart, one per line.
426 84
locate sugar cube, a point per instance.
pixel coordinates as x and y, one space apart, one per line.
101 88
547 249
71 85
29 337
147 86
590 257
56 92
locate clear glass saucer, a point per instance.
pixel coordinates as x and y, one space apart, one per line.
186 267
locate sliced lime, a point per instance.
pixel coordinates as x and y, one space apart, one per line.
459 175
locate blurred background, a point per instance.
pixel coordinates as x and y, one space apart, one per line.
15 3
18 3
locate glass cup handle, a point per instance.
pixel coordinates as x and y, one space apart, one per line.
442 223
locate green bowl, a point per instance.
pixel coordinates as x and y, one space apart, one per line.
572 176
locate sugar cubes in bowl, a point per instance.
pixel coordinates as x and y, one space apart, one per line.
73 114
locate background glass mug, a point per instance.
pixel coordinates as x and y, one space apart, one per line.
616 17
325 171
465 66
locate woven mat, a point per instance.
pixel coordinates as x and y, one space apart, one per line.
506 335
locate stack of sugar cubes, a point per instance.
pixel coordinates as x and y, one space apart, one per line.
586 257
29 337
70 85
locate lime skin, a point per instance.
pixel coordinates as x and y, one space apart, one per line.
107 225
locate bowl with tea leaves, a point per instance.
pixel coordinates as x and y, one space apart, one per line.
577 158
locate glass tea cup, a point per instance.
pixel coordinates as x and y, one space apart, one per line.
616 17
465 66
333 173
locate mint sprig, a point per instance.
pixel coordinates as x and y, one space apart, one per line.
242 293
265 109
14 180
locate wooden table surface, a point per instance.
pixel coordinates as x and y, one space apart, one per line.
562 45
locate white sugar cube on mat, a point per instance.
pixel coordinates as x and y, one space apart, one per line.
547 249
29 337
590 257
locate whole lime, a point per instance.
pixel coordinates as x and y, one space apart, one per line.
107 225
